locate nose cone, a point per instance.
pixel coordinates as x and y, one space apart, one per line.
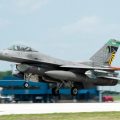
4 54
1 53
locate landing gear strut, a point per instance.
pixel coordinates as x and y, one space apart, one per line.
74 90
55 91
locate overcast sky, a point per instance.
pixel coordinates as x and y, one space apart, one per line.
67 29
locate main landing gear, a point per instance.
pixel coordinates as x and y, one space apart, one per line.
55 90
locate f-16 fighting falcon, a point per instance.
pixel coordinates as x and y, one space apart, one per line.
96 71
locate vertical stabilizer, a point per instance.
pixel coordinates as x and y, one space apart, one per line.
106 55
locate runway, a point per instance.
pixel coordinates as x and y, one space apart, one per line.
7 109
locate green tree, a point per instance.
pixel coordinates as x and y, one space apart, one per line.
5 73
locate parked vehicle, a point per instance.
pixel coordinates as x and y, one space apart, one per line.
107 99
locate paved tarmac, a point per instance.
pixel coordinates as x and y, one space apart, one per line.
42 108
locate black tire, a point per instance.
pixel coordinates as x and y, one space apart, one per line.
74 91
26 85
55 91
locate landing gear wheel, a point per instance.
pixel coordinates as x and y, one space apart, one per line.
55 91
26 85
74 91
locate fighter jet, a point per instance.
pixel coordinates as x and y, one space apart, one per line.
96 71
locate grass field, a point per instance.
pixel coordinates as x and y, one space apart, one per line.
70 116
116 97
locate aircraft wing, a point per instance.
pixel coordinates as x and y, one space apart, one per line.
38 63
33 62
86 67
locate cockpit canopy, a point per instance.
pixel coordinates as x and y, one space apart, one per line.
21 48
